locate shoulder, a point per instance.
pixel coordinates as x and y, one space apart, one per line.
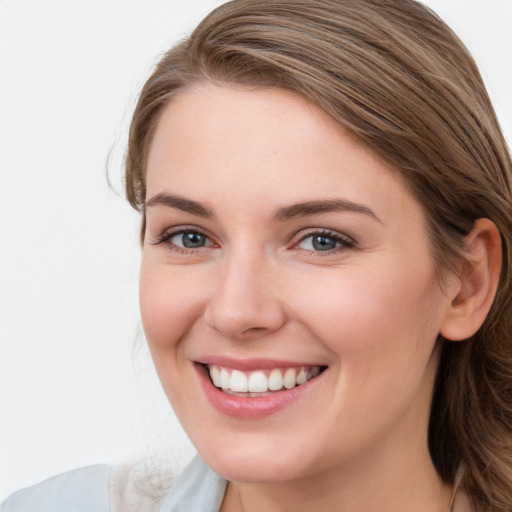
142 487
80 490
99 488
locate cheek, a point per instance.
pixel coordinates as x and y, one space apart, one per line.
381 329
374 314
169 305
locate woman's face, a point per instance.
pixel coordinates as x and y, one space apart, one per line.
289 262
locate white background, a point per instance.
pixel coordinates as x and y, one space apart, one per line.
76 382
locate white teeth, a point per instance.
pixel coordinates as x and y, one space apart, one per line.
302 376
254 383
238 381
224 379
275 380
289 379
215 375
258 383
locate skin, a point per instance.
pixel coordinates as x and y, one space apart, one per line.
369 309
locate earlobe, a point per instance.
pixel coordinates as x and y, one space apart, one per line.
478 283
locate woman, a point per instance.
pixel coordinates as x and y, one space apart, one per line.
325 281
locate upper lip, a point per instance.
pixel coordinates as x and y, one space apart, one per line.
253 363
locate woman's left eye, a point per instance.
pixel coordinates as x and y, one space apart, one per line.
324 242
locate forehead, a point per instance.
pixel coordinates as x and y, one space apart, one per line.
214 142
220 116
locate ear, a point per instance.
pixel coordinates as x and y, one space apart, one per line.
477 283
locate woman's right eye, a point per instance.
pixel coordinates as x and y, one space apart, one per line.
189 240
184 239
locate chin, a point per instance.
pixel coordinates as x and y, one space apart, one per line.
255 465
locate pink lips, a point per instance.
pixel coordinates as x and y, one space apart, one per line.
243 407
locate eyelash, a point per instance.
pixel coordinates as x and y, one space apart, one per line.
166 236
343 241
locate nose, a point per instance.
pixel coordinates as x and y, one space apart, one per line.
245 303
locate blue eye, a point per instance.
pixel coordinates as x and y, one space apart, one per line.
189 240
324 242
183 240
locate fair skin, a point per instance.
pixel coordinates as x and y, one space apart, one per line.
275 240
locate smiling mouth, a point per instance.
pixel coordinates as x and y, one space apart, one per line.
260 383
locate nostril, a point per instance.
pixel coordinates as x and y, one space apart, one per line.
255 330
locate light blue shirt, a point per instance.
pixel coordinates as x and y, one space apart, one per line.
197 489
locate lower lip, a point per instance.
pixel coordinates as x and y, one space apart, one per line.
251 407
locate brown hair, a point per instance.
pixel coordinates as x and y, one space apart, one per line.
394 74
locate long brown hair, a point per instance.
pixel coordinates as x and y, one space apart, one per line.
394 74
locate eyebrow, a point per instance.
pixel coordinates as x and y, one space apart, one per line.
281 213
180 203
323 206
